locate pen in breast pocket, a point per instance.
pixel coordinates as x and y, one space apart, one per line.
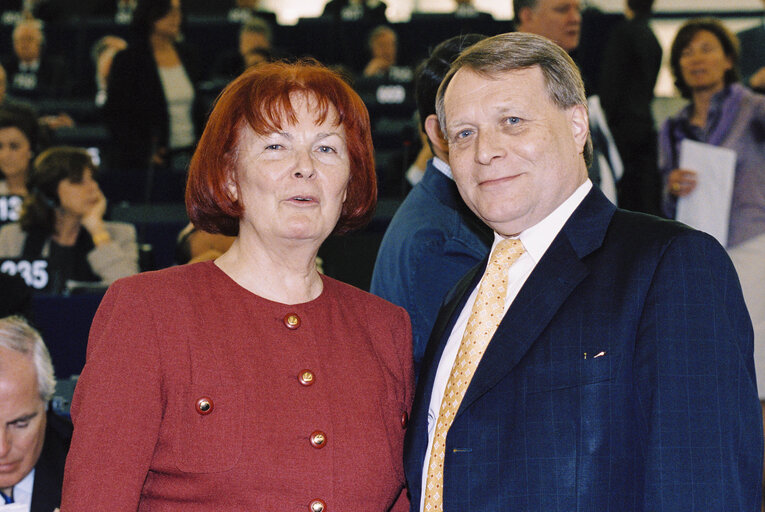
601 353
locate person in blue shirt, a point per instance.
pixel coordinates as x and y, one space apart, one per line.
433 239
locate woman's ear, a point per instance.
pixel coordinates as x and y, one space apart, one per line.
233 190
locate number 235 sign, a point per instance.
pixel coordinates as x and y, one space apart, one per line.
35 273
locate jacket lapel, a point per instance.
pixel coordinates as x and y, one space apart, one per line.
416 439
556 275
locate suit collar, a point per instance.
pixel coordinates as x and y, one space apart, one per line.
445 190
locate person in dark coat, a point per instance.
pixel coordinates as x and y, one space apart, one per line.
151 107
628 74
36 441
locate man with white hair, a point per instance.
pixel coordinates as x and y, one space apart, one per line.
33 440
32 73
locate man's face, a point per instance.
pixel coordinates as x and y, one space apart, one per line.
22 417
557 20
27 43
384 47
515 155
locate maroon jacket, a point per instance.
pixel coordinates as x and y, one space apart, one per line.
164 342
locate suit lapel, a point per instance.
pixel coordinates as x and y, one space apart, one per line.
556 275
416 440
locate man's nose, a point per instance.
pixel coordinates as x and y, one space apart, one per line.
488 147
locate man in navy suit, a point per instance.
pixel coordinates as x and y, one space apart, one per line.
33 443
620 376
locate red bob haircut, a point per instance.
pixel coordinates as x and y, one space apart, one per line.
260 99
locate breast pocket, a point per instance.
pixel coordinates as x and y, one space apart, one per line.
209 427
570 374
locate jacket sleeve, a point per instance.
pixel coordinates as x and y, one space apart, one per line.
117 406
695 385
117 258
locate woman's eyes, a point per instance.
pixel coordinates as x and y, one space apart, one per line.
320 149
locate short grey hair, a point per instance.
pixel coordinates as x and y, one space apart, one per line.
521 50
17 335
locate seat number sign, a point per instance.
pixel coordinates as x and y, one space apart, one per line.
34 273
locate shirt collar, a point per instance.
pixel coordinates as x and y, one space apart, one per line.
538 237
443 167
22 491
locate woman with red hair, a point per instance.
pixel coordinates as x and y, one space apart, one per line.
253 382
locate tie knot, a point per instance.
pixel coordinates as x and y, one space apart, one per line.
506 253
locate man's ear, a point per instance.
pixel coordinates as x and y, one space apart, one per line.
580 124
433 129
524 16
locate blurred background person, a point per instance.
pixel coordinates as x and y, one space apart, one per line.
630 67
722 112
102 54
47 124
753 55
62 222
35 440
558 20
255 38
383 47
369 11
561 22
33 73
268 420
151 108
434 238
18 143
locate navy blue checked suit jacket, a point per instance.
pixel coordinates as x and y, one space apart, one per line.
621 379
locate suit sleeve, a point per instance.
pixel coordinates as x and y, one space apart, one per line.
695 385
117 406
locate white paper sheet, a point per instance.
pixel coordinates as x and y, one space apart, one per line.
707 208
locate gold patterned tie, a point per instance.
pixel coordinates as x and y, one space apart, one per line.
484 318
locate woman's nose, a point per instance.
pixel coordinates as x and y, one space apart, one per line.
304 166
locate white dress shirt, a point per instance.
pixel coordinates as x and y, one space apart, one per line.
22 495
536 240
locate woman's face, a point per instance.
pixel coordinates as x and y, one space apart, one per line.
79 197
703 63
169 25
292 183
15 152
